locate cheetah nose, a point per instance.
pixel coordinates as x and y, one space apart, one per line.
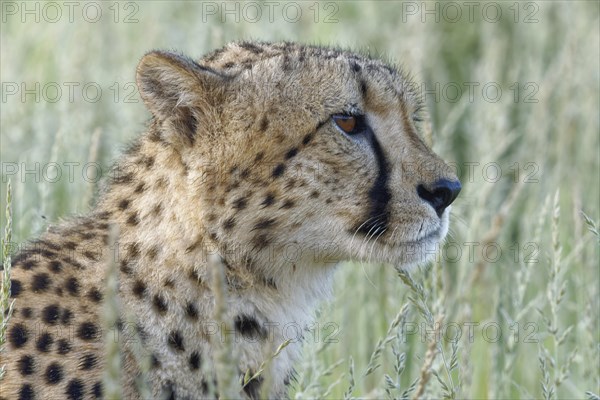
440 195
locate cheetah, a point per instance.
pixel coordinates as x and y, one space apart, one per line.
254 149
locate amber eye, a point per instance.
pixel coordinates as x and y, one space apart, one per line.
347 123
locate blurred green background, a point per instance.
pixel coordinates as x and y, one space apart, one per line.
513 92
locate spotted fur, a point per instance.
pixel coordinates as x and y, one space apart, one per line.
241 159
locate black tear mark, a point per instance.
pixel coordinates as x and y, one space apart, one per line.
379 195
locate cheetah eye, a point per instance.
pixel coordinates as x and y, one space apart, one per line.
349 124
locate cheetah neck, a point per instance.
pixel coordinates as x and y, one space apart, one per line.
171 247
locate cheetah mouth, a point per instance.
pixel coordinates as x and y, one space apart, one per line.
420 250
407 254
435 235
425 242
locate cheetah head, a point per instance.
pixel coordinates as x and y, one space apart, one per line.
300 155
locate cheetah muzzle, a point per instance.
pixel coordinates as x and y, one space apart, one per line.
283 159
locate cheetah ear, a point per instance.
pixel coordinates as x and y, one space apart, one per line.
177 90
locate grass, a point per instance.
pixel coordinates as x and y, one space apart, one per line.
509 309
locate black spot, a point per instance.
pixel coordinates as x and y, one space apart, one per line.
240 203
195 360
122 178
307 139
64 347
363 88
54 373
168 391
314 194
87 235
95 295
87 362
154 362
261 241
26 392
356 67
152 253
264 124
66 316
169 283
72 286
74 390
18 336
97 390
228 64
278 170
26 365
15 288
287 204
191 311
48 244
269 200
44 342
133 219
139 288
204 385
252 388
125 268
139 188
29 264
27 312
50 314
90 255
141 332
195 276
148 161
249 327
87 331
133 250
229 223
40 282
74 263
70 245
291 153
55 266
264 223
259 156
175 341
103 215
160 304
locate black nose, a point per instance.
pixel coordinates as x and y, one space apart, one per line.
440 195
